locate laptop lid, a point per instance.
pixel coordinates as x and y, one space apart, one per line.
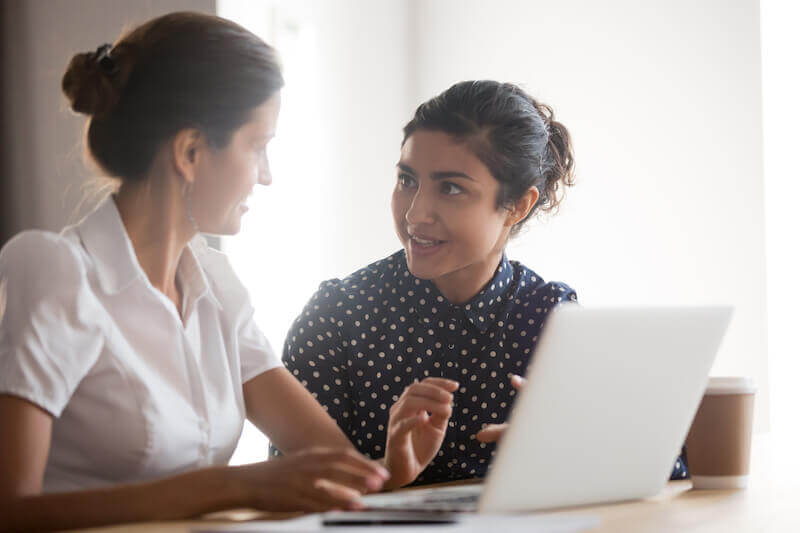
611 394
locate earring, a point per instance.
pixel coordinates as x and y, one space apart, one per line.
187 194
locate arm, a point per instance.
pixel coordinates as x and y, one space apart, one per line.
315 354
314 481
23 456
413 437
316 362
282 408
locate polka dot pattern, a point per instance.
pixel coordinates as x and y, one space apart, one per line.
361 340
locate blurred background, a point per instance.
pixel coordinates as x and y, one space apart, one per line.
684 116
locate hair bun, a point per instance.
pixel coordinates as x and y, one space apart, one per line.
88 86
544 110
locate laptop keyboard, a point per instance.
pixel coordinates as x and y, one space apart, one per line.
446 499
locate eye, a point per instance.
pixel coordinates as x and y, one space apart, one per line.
451 189
406 181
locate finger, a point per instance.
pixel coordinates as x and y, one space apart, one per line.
297 495
356 478
402 427
444 383
352 458
318 495
334 495
415 404
427 390
491 433
518 381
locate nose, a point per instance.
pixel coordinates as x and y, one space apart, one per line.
422 209
264 173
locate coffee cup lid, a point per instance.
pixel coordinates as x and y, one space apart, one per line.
730 385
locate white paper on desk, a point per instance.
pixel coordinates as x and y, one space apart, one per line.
507 523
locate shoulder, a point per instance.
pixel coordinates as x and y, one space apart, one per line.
532 288
337 299
45 288
38 260
361 286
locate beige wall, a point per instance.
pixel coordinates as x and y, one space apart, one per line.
42 146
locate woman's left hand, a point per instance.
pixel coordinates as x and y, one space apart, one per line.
493 432
417 425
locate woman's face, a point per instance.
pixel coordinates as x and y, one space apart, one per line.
228 175
445 209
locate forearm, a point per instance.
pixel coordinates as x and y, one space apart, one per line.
182 496
282 408
317 431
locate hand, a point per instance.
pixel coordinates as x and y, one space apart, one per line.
493 432
417 425
317 479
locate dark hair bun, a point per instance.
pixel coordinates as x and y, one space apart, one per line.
88 86
180 70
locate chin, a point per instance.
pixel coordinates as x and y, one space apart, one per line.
229 230
223 229
420 271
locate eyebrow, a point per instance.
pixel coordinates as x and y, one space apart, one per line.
438 175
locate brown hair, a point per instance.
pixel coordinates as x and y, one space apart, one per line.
181 70
515 136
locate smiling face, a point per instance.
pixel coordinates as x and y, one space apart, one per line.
446 214
226 176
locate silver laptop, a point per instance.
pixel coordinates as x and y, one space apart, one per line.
609 400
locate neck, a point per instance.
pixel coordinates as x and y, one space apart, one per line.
155 220
462 285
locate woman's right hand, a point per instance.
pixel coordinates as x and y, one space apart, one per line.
316 479
494 432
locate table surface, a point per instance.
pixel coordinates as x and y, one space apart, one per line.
771 503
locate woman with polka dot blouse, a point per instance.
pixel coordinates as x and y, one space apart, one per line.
421 350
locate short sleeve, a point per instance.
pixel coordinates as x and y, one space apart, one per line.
51 330
558 292
255 354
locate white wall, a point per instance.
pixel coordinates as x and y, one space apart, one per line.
780 46
343 107
327 211
663 100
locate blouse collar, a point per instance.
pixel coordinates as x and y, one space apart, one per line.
106 240
481 311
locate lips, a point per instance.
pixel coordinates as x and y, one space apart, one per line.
424 245
425 241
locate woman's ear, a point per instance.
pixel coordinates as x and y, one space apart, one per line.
185 147
522 207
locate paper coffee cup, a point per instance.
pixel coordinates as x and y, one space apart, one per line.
718 445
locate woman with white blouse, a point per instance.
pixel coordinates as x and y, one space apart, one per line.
129 356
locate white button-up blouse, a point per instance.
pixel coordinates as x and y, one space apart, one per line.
136 393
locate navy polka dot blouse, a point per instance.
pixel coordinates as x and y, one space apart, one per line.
361 340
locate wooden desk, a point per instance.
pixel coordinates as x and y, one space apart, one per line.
771 503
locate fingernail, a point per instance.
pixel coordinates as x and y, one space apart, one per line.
355 505
383 472
374 483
